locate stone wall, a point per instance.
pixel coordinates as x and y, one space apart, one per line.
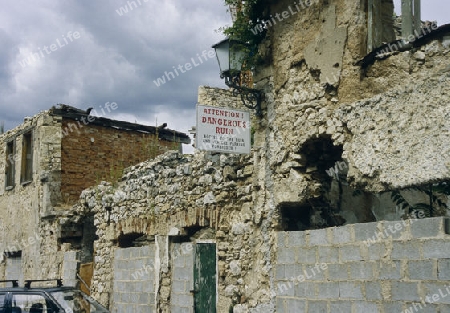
94 153
371 267
32 199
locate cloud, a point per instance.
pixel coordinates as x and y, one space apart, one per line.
115 59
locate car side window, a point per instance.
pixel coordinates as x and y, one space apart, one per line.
29 303
2 301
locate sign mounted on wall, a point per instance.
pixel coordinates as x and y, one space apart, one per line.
223 130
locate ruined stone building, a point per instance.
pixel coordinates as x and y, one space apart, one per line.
46 162
322 216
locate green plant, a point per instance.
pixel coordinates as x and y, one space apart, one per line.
248 26
435 192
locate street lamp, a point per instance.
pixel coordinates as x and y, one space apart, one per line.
230 55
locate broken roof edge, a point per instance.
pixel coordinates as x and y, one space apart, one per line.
76 114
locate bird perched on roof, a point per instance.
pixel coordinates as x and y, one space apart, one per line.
162 126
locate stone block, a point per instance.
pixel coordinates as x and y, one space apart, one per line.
444 269
405 291
392 306
406 250
350 290
427 227
389 270
295 306
436 249
350 253
281 239
317 306
285 256
365 231
337 272
285 288
305 290
328 290
318 237
361 270
280 273
307 255
394 229
296 239
377 251
422 270
366 307
342 234
373 290
341 307
444 308
438 293
328 254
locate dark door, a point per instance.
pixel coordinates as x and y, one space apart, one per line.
205 278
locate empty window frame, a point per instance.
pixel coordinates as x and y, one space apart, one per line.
10 163
27 158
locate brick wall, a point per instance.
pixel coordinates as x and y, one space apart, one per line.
93 153
406 266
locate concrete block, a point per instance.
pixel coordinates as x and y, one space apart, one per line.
365 231
307 255
395 229
422 270
317 306
328 290
350 290
291 270
318 237
342 234
389 270
280 273
305 290
337 272
296 239
377 251
406 250
281 239
436 249
179 286
328 254
373 291
427 227
444 308
438 293
280 305
295 306
361 270
366 307
285 256
314 272
392 306
349 253
444 269
181 273
405 291
285 288
341 307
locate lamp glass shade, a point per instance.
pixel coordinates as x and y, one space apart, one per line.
230 55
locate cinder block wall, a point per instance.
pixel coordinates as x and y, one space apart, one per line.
93 153
181 300
396 266
134 280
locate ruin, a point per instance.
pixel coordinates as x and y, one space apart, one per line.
322 216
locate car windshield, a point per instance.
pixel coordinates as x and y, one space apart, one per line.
75 301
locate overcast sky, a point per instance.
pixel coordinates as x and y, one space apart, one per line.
86 53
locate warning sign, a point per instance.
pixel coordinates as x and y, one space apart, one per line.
223 130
